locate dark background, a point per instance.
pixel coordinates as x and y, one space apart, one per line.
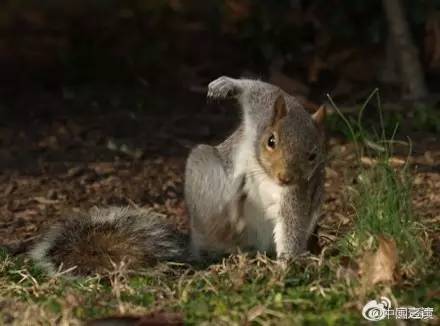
101 100
130 77
88 79
174 47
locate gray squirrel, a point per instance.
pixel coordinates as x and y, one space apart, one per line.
258 191
262 188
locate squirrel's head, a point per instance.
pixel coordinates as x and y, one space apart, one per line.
291 148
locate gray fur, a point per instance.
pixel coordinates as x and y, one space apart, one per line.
212 185
211 195
147 231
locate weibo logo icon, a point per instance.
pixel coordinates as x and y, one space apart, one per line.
376 310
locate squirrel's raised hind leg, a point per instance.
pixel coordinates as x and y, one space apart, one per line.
214 200
223 88
253 95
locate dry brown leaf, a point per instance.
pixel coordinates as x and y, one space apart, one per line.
393 161
255 312
428 158
44 201
331 172
102 168
380 266
9 189
396 161
367 161
26 214
343 219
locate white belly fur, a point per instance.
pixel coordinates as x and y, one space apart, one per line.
262 203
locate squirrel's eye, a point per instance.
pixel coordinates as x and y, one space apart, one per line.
271 142
312 157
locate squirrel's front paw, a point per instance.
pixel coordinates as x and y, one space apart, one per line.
285 257
284 261
222 88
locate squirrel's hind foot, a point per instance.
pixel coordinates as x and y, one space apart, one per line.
222 88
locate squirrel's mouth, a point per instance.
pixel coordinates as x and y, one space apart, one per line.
283 183
283 180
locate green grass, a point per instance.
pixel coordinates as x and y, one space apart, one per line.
382 202
239 290
315 290
381 196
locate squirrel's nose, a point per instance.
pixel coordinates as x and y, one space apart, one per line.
283 179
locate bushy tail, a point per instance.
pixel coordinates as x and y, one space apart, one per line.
92 243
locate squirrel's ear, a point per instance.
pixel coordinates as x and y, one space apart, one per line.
280 109
319 116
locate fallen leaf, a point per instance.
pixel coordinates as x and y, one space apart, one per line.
396 162
428 158
255 312
380 266
393 161
9 189
26 214
45 201
75 171
331 172
367 161
103 168
344 220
